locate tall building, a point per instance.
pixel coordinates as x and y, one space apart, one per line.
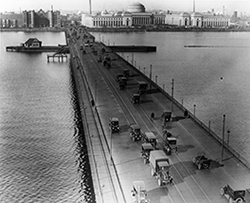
41 18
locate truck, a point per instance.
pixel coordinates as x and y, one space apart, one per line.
234 196
160 166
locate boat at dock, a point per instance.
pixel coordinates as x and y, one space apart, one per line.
33 45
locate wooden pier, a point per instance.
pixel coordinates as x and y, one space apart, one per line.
58 56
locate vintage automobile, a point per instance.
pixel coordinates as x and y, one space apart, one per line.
166 133
166 117
136 99
149 137
135 132
107 61
126 73
139 192
122 85
160 165
118 77
146 148
201 161
142 87
234 196
114 125
170 145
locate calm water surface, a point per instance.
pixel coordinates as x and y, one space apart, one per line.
43 155
215 77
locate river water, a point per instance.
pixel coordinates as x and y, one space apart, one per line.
214 77
43 155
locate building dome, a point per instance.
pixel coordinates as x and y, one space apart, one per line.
126 13
105 12
119 13
196 14
185 15
136 8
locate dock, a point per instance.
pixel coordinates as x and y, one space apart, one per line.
58 48
115 159
57 57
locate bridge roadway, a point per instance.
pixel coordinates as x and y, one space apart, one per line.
113 179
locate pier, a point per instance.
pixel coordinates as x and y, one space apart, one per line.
116 160
61 48
59 56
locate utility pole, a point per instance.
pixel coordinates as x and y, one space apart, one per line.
172 95
150 75
223 136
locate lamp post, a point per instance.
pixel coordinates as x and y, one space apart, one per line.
223 134
95 90
228 133
156 79
172 95
194 109
110 146
132 59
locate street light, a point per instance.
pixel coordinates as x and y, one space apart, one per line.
228 132
194 109
223 134
110 146
156 79
172 95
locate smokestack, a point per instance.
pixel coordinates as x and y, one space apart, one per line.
223 11
90 12
193 5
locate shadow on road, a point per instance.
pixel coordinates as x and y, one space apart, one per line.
184 148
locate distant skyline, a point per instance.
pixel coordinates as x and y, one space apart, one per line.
242 6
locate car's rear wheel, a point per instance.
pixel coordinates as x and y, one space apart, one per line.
222 192
239 200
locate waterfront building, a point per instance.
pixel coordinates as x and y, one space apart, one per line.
135 16
196 19
32 43
11 20
41 18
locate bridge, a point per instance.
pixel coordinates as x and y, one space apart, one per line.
115 159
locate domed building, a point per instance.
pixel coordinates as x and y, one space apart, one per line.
135 16
196 19
136 8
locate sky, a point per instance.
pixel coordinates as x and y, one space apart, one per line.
99 5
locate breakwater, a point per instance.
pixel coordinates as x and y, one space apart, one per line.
133 48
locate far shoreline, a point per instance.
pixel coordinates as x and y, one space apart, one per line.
127 29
